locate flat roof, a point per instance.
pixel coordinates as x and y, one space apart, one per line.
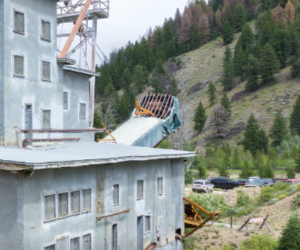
81 154
80 71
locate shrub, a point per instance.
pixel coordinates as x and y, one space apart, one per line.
242 199
290 238
259 242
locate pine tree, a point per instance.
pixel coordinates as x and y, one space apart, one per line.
225 102
269 65
239 60
297 161
174 88
227 33
219 21
199 118
236 161
215 34
279 130
195 37
227 14
239 17
253 71
268 171
290 174
140 78
262 142
228 72
295 118
289 13
247 38
246 171
97 123
211 93
290 236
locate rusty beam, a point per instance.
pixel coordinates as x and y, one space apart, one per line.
75 29
106 216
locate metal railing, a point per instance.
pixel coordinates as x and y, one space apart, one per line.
63 9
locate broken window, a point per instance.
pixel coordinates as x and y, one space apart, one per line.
82 111
74 244
116 194
19 22
46 71
46 119
86 199
50 247
140 191
63 205
50 207
66 101
75 202
46 31
87 242
160 186
19 65
147 223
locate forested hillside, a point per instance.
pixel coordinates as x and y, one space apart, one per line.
234 66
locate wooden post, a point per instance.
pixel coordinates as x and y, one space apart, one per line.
231 222
245 224
265 223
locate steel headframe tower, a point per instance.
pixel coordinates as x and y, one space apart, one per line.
83 16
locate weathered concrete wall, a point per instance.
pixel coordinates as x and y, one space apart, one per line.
11 210
38 234
31 89
1 72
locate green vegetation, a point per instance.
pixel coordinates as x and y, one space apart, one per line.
290 239
258 242
200 118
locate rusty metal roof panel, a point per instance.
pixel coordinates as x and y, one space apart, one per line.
82 154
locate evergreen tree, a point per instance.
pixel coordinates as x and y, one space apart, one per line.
290 237
199 118
297 161
247 38
269 65
174 88
140 78
225 102
236 161
253 71
195 39
266 171
228 72
239 17
227 33
97 124
239 60
215 34
211 93
279 130
255 139
246 171
227 14
295 118
290 174
223 171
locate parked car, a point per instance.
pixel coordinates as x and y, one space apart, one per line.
255 183
223 182
254 178
268 182
291 181
241 182
202 186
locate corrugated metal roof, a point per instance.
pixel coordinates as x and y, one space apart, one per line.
80 71
82 154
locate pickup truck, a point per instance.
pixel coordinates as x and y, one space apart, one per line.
223 182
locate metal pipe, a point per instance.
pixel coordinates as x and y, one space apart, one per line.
91 130
26 141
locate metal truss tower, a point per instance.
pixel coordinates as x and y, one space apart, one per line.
80 17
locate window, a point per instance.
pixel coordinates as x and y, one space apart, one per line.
46 71
65 100
114 237
50 247
116 194
46 31
87 242
147 223
86 199
75 202
63 204
19 65
82 111
50 207
74 244
46 119
62 243
19 22
160 186
140 191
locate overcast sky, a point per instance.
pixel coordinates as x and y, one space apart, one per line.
130 19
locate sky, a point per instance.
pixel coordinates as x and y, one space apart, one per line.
129 20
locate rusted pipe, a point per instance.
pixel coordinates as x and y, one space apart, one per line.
102 217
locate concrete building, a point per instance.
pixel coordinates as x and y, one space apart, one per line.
38 90
87 196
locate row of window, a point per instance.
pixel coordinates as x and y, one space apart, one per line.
19 26
19 68
140 190
83 242
67 203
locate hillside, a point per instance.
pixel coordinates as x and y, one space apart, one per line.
204 65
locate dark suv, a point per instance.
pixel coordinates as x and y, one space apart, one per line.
223 182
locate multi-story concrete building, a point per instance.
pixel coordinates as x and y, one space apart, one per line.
72 196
